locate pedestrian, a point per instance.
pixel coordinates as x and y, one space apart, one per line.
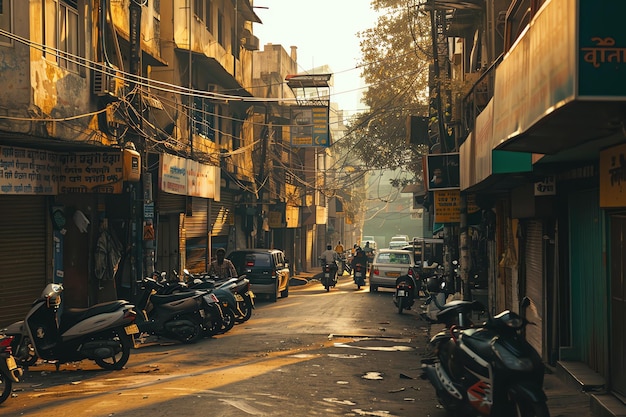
369 252
222 267
339 248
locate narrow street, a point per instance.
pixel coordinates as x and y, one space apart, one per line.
344 353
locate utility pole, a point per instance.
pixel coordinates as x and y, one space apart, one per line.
137 193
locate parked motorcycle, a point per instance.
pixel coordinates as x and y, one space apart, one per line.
219 315
179 316
9 371
359 275
489 369
329 278
239 287
102 333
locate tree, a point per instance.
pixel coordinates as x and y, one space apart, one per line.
395 65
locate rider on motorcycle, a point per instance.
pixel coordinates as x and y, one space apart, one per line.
330 257
360 258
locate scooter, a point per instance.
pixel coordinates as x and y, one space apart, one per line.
406 291
488 369
359 275
102 333
239 287
179 316
329 279
9 371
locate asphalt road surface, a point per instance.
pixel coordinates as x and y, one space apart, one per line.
315 353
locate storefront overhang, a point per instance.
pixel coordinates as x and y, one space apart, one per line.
551 97
574 125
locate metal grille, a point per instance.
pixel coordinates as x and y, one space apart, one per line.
23 254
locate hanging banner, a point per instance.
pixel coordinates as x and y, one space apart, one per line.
186 177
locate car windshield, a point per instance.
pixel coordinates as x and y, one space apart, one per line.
393 258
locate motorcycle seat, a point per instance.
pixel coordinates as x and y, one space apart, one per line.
478 340
168 298
71 316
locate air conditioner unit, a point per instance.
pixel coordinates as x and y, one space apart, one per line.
107 81
250 42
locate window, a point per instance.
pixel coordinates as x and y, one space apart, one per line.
6 20
61 33
220 28
204 118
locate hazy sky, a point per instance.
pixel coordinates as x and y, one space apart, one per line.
325 33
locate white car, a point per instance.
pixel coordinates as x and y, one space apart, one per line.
388 265
398 242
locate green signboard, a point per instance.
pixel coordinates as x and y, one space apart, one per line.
602 49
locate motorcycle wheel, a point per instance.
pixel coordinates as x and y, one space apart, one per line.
117 361
400 304
529 409
194 335
24 354
6 385
246 309
228 320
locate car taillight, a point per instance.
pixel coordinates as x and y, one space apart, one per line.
249 263
375 271
411 273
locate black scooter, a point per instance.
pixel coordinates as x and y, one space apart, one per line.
407 288
179 316
488 369
329 278
359 275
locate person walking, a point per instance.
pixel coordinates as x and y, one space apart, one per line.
222 267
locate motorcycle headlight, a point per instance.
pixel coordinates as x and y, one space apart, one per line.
510 360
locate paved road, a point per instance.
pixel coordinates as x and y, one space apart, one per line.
341 353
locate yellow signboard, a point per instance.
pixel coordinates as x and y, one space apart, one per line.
613 177
447 206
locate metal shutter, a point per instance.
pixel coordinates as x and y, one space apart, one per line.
23 254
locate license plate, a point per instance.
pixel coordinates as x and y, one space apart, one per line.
358 274
393 274
132 329
11 363
401 293
326 275
238 297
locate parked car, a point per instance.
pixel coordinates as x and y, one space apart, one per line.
388 265
266 269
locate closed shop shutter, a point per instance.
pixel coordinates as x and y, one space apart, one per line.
534 282
23 254
167 203
222 214
196 223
